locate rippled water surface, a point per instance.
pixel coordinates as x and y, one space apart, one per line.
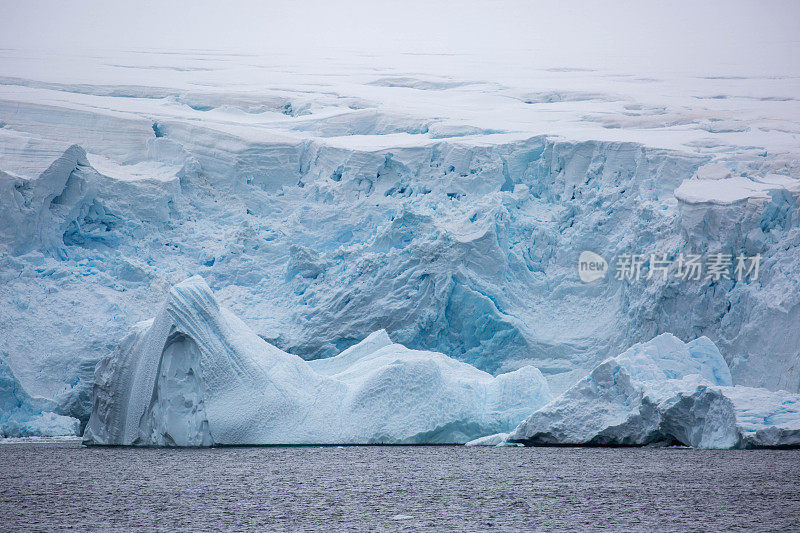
47 486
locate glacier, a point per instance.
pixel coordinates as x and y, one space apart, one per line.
22 415
196 375
663 392
443 198
462 248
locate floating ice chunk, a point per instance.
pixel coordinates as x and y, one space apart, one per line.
732 417
196 375
665 391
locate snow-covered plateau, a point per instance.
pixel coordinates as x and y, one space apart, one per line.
441 193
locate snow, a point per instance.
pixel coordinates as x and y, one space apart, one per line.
498 439
438 181
665 391
730 190
196 375
145 170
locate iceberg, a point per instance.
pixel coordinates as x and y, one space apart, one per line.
196 375
22 415
665 391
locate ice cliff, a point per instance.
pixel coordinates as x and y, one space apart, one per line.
24 416
196 375
463 249
433 208
663 392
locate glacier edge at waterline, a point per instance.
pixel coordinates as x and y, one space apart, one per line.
22 415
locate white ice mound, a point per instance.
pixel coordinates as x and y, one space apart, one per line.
22 415
665 391
196 375
498 439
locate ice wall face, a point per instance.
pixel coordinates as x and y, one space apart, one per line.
196 375
664 391
24 416
451 246
320 217
740 321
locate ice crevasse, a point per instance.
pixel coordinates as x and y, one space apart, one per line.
196 375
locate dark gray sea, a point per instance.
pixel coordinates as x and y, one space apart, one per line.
53 486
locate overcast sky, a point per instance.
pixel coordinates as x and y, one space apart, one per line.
665 34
